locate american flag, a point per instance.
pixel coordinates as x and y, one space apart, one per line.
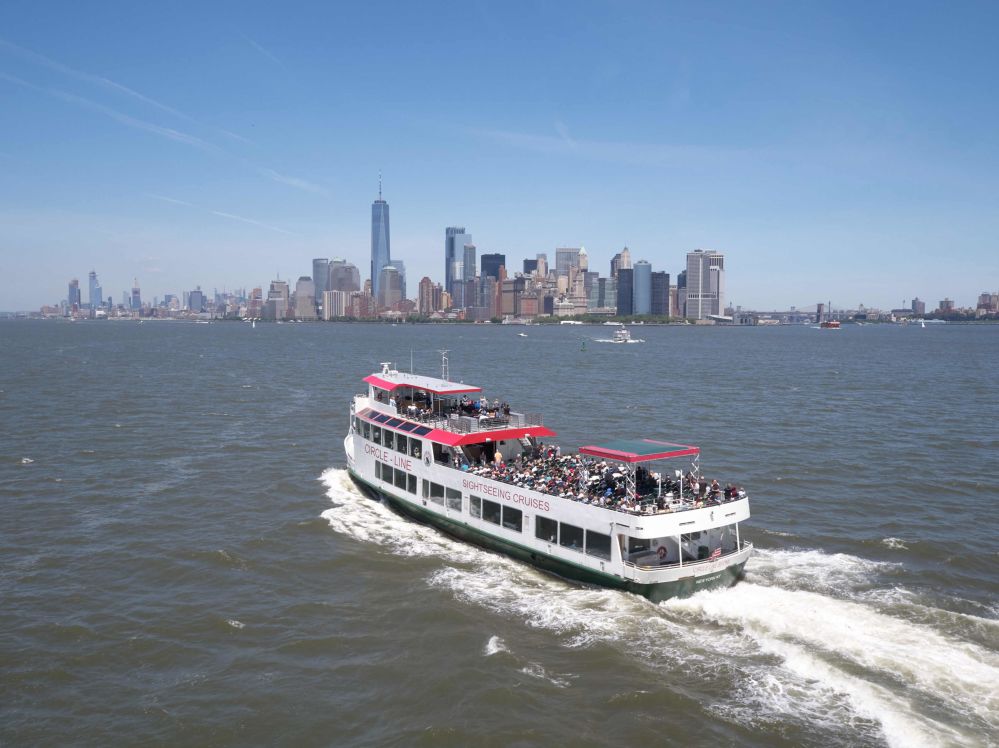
716 553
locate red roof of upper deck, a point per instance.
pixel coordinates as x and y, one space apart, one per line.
394 380
638 450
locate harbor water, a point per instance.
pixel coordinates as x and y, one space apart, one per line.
184 560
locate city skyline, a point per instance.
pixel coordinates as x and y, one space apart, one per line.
827 160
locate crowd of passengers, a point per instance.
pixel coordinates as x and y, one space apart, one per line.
593 481
422 408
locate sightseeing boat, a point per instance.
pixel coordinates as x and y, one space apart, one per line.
609 515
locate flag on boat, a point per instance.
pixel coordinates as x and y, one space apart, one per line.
716 553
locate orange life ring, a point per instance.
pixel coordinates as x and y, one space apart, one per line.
661 552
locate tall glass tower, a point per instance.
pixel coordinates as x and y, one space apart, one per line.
380 253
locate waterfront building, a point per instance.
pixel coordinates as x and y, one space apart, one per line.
620 261
305 298
401 267
429 300
335 304
389 288
947 305
196 300
705 283
344 276
381 254
455 239
642 288
584 260
491 263
918 307
625 292
660 294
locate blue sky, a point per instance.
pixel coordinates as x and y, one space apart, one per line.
844 152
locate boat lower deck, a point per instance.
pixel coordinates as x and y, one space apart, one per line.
684 580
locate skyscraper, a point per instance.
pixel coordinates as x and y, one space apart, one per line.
136 295
491 264
566 257
381 254
321 277
530 266
344 276
390 287
455 240
660 294
94 298
74 294
468 264
625 292
642 288
705 283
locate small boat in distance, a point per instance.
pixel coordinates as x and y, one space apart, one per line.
829 324
621 335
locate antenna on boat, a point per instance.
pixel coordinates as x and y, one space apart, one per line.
410 360
444 371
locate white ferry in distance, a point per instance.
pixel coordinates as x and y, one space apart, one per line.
610 515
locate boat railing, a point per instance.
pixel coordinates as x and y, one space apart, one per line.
746 545
462 424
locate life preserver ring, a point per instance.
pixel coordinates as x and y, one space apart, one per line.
662 553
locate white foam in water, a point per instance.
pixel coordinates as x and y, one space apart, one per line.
800 627
896 544
814 570
235 624
494 646
791 610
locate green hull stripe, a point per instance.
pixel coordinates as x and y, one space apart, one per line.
655 591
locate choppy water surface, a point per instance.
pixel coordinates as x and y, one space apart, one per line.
184 560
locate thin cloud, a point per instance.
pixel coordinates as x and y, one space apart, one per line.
614 151
252 222
173 200
120 117
265 52
223 214
27 54
297 182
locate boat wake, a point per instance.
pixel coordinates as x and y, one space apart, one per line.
808 639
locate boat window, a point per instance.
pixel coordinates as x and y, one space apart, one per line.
415 450
401 443
421 431
513 519
475 506
546 529
490 511
598 544
411 483
400 479
407 427
388 439
437 493
453 496
376 434
394 422
570 536
426 488
381 418
366 427
690 536
637 545
357 423
378 469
